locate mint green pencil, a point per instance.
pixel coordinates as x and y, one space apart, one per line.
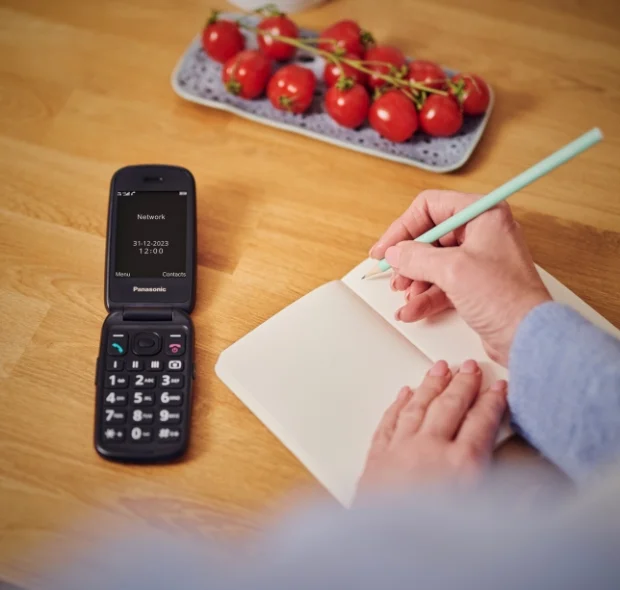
569 151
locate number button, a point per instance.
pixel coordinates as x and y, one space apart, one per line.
156 365
114 417
135 366
142 417
168 434
114 435
172 381
175 365
139 434
117 344
115 365
171 399
143 398
170 417
114 398
144 381
116 381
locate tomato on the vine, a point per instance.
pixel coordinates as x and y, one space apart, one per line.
440 116
291 89
246 74
472 92
222 39
385 60
427 73
278 25
345 36
347 103
393 116
335 70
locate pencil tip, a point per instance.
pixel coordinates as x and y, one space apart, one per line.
363 277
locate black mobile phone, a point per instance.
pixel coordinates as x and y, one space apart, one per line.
145 367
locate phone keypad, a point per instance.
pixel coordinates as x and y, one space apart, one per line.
146 378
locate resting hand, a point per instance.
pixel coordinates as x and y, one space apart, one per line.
445 429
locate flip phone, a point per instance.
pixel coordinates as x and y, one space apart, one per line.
145 367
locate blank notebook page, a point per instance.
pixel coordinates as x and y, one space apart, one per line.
320 374
445 336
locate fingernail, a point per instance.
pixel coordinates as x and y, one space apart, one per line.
407 295
393 282
499 386
439 369
392 254
397 315
469 367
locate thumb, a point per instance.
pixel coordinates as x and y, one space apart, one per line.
423 262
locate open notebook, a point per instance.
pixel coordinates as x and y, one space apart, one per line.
321 372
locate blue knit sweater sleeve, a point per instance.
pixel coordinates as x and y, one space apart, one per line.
564 391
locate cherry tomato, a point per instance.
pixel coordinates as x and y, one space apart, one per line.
246 74
345 36
440 116
472 92
393 116
347 103
334 71
383 59
282 26
427 73
291 89
222 39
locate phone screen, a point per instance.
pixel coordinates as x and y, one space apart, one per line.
151 235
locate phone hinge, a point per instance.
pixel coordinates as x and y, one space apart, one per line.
153 314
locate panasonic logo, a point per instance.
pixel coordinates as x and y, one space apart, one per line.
149 289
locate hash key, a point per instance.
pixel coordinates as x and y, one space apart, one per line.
172 381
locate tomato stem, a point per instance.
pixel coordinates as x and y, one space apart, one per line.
360 65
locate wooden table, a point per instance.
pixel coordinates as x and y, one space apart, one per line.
85 90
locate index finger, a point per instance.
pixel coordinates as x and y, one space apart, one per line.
428 209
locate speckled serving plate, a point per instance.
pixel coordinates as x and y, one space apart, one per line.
197 78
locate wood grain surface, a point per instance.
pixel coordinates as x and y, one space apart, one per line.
84 90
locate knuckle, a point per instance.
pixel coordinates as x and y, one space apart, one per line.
501 216
428 195
453 402
412 414
496 405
